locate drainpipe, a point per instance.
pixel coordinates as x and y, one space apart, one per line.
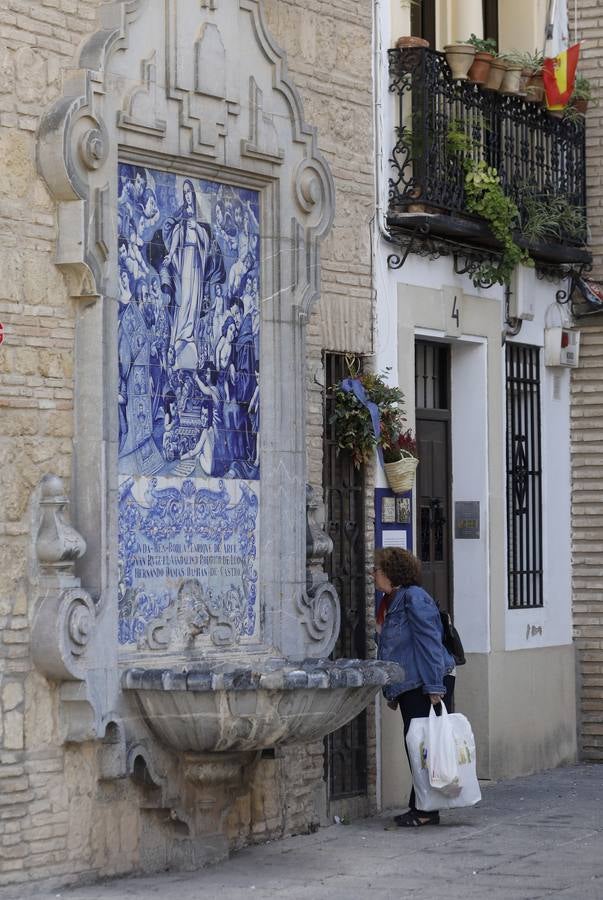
383 232
377 117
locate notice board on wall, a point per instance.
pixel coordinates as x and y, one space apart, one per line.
393 522
393 519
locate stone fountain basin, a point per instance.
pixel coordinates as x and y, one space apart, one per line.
204 708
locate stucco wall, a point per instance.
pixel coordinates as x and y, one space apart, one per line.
511 665
57 820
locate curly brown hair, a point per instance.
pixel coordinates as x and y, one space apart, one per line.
400 566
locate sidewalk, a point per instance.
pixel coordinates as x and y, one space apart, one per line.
529 838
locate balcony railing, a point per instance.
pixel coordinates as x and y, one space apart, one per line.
539 158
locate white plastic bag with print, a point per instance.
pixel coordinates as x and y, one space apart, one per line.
442 764
431 798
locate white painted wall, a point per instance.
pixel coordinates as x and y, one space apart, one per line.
550 625
470 482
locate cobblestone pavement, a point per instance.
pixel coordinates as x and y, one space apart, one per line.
530 838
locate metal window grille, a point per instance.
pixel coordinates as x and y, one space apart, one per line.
431 375
346 748
524 477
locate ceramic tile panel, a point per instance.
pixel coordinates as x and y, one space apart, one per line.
188 342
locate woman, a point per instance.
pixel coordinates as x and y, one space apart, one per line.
195 268
411 634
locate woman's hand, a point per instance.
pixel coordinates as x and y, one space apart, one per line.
436 698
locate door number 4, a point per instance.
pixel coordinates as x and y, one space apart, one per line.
453 306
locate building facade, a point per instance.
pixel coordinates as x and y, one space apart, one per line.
203 233
492 497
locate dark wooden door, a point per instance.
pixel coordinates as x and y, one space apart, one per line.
433 485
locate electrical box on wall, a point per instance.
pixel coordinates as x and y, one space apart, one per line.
561 347
521 297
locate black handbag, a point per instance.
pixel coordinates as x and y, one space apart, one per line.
452 639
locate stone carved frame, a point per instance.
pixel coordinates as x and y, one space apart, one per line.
140 93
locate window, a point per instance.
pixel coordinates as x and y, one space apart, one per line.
490 13
431 375
524 477
423 21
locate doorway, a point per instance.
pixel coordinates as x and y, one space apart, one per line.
346 758
433 483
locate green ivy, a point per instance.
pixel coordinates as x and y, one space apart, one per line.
486 198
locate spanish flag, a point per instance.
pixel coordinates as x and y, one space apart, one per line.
560 76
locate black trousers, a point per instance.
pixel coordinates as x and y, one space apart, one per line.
416 705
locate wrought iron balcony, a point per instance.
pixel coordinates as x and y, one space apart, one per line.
539 158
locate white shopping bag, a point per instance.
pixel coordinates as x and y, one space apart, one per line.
428 797
442 764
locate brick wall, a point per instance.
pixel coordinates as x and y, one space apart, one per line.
56 820
587 426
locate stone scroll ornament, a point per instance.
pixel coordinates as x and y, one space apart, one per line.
65 615
318 606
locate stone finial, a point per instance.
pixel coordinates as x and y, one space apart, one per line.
318 542
58 544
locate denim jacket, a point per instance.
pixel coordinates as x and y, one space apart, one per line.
412 636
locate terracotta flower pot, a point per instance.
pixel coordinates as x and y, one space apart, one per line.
580 105
498 68
511 82
410 40
459 57
535 88
480 67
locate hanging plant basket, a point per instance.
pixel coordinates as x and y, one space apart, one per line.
401 473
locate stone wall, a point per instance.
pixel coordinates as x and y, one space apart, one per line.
587 426
57 820
328 47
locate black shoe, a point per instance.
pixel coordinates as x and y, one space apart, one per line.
415 819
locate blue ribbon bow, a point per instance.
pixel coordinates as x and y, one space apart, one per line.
354 386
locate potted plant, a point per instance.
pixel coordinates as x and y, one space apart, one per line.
459 57
368 415
400 461
581 94
511 82
550 218
535 83
531 84
485 51
498 67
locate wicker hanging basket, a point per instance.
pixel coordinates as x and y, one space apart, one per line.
401 473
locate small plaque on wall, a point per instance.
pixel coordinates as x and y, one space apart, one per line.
388 510
403 510
466 519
